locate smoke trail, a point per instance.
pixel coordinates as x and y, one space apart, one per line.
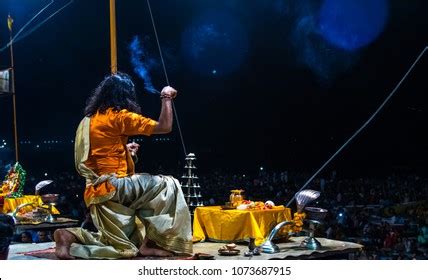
142 64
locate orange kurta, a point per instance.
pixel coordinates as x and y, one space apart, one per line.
108 154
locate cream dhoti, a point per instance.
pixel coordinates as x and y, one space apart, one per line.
142 206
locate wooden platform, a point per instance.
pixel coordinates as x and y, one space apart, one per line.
332 249
58 223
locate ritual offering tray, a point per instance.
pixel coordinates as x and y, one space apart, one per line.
33 213
232 252
256 205
36 216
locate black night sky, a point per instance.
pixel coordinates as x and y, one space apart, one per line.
288 101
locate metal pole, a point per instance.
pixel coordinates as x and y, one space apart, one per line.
113 45
12 78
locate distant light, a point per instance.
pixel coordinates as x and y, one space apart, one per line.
37 146
261 168
340 214
243 175
46 174
214 71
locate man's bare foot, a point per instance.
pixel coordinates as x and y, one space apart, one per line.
149 248
63 239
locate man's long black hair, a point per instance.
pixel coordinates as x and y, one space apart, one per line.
116 91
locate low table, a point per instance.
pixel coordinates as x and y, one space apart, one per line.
215 224
58 223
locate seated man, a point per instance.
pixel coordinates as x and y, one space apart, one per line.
133 213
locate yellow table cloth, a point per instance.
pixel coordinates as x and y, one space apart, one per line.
10 203
233 225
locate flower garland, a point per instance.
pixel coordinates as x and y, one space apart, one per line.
298 221
13 185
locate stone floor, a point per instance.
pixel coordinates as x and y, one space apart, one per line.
288 250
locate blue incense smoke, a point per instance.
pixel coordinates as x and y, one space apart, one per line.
142 64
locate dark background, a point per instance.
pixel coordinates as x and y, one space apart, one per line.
273 111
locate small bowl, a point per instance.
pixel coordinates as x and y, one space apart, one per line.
231 246
50 198
315 213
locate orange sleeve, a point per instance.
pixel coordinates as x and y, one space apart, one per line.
135 124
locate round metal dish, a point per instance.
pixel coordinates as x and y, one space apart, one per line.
315 213
50 198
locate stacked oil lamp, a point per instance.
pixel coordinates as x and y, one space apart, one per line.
190 186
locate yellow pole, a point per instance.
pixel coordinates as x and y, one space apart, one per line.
113 45
12 78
